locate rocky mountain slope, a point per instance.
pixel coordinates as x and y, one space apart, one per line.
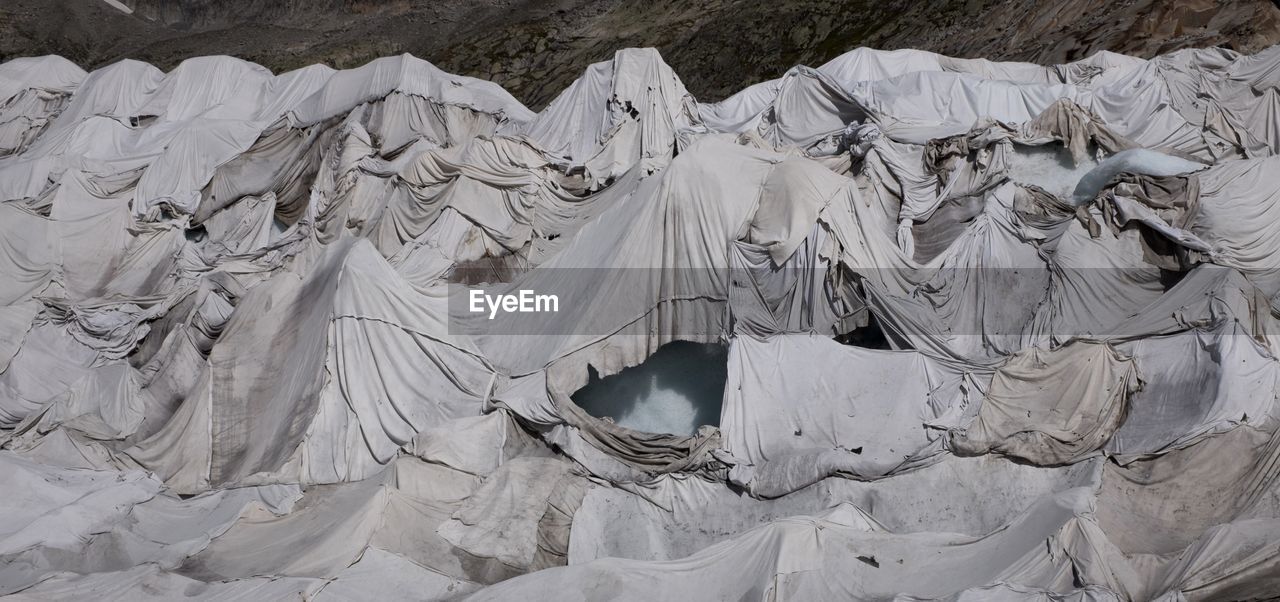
536 47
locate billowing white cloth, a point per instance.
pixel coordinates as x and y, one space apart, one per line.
995 331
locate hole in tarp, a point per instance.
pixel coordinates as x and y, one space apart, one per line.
1049 166
870 336
1165 254
1170 278
197 233
488 269
676 390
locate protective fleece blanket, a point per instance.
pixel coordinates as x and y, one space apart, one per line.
960 330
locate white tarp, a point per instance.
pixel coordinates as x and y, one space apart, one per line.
994 331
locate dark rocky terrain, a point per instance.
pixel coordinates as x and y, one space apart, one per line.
535 48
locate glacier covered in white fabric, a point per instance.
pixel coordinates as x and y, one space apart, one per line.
233 363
